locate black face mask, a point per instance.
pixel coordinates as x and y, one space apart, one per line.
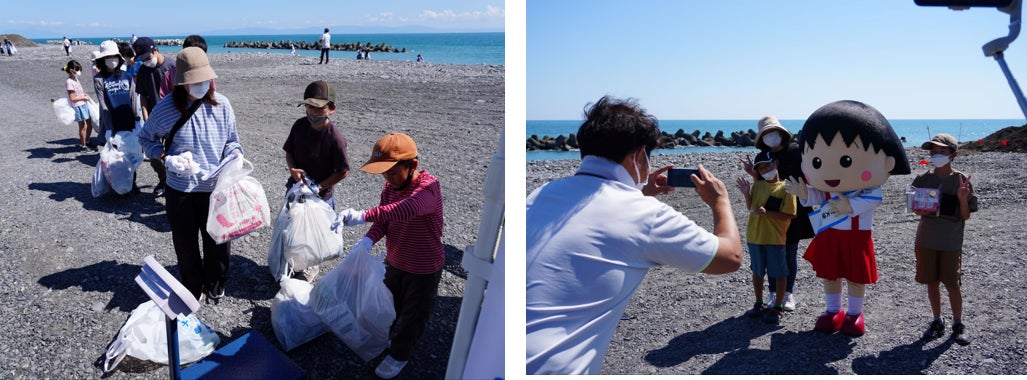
410 178
316 121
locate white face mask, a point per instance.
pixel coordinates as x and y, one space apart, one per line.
769 175
151 63
198 90
111 63
939 160
772 139
77 73
642 182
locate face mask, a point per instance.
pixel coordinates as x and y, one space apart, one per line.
111 63
151 63
317 121
199 90
77 72
939 160
638 174
769 175
772 140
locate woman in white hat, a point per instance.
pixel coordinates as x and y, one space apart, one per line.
115 91
208 132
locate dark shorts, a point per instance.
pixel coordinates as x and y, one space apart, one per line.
933 266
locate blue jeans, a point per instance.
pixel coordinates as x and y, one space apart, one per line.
791 258
767 259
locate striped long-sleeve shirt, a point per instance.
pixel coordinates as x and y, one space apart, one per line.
210 134
411 222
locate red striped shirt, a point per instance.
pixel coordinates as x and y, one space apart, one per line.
411 221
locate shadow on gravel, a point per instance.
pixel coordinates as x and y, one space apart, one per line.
65 146
452 265
908 359
806 353
141 208
105 276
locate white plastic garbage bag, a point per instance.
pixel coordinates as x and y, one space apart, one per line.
144 336
238 204
65 113
303 233
119 159
94 113
291 317
100 186
354 302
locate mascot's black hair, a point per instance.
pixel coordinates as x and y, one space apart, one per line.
854 119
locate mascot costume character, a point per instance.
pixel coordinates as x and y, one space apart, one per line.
848 151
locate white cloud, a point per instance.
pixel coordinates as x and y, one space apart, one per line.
36 23
382 17
94 25
490 12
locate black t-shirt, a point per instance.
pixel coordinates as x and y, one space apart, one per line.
319 153
148 81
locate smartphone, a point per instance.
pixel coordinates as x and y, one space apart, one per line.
681 177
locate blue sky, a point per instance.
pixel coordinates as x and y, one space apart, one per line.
33 19
743 59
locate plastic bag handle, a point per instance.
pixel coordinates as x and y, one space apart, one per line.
115 352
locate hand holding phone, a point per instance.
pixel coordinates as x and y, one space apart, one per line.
681 177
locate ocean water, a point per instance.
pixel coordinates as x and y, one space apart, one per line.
450 48
916 131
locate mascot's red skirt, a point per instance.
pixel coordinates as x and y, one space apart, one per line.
844 254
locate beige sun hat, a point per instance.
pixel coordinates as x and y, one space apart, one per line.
768 124
192 66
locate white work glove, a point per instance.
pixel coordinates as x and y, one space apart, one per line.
349 218
796 187
182 165
363 247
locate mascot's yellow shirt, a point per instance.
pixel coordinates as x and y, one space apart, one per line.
764 229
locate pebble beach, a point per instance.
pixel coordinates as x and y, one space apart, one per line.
688 324
68 260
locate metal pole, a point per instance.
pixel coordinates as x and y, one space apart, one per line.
1012 83
172 329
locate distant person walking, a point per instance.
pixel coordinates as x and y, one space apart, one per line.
326 45
67 46
9 46
420 58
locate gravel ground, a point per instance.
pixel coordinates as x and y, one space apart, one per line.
68 260
681 323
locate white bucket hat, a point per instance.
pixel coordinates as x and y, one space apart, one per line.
110 48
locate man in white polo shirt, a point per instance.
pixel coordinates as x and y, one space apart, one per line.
592 237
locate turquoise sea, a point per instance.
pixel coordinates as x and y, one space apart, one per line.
916 131
450 48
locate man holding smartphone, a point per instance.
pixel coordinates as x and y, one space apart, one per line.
592 237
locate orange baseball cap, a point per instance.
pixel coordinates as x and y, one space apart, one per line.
389 150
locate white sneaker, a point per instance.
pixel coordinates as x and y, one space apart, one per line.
389 368
789 302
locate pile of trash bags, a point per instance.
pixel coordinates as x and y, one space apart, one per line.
351 300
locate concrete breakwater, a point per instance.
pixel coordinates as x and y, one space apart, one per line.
667 141
302 45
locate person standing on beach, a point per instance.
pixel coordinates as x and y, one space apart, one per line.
78 98
939 235
771 210
192 40
209 133
592 237
409 217
774 138
67 46
150 87
316 149
326 46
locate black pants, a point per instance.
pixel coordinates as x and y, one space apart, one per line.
187 214
413 295
324 55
